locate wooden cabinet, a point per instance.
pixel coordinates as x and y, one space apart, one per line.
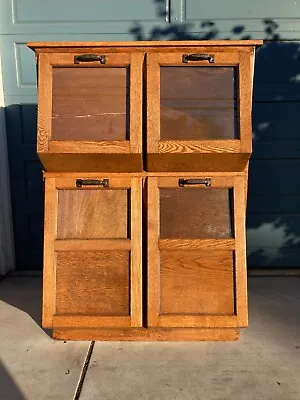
146 147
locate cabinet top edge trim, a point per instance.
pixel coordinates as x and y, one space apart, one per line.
163 43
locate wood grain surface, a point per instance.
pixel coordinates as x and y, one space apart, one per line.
92 283
148 334
92 214
197 282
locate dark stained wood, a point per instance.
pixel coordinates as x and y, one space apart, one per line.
148 334
90 104
197 103
197 282
92 283
191 213
92 214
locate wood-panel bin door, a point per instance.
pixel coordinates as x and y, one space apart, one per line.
196 252
90 103
199 103
92 254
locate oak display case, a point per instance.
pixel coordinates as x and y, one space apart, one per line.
146 148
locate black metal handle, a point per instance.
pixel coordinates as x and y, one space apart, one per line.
92 182
198 57
182 182
89 58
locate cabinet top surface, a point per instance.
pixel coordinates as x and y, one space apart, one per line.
157 44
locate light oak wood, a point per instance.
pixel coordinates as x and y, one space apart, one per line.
162 43
103 146
78 117
176 130
97 282
143 174
44 103
207 146
92 245
145 259
153 262
203 162
92 214
148 334
49 269
240 253
136 103
91 162
245 96
195 244
187 276
136 273
92 283
85 321
199 282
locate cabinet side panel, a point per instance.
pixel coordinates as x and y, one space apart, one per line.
49 255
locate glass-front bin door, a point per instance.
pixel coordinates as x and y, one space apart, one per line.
90 102
198 103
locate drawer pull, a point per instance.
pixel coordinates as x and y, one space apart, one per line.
92 182
89 58
182 182
198 57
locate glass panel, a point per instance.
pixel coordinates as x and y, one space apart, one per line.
196 213
93 214
197 282
90 104
92 282
198 103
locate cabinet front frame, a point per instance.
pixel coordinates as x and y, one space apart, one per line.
243 61
236 244
53 245
48 61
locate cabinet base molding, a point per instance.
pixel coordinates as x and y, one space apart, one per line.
149 334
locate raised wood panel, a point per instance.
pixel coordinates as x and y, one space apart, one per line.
197 282
92 214
90 104
92 283
197 103
195 213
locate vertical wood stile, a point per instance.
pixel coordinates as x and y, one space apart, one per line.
240 251
245 101
153 103
153 252
44 102
136 102
49 280
136 253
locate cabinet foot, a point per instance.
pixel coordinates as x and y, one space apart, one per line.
149 334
